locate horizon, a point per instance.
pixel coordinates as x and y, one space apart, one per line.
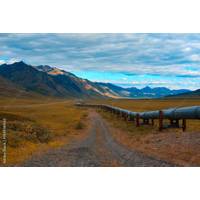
126 60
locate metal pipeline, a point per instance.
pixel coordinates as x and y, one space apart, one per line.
192 112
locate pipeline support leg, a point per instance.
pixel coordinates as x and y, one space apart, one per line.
184 124
160 120
137 120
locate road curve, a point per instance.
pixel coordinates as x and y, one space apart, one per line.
99 149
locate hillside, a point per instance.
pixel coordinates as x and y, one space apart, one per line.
193 94
51 81
85 87
8 89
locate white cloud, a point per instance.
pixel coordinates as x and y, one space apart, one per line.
195 57
13 60
2 62
187 49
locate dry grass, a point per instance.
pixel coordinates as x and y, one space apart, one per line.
37 125
58 122
170 144
79 125
149 104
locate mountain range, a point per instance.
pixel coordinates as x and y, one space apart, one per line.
25 79
193 94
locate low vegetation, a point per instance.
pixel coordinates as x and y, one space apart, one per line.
141 105
79 125
174 145
34 126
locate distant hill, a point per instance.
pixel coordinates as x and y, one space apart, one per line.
192 94
51 81
145 92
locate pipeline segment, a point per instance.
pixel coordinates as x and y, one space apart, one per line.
192 112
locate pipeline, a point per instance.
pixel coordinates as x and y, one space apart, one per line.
173 114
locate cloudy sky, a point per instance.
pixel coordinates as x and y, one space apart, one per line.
171 60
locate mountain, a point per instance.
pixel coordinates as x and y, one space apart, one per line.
146 92
86 87
160 91
113 90
192 94
9 89
30 79
51 81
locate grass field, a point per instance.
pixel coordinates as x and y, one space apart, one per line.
37 125
149 104
170 144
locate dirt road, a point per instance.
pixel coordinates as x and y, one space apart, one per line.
98 149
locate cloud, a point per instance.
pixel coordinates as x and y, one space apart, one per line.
195 57
187 49
174 55
12 60
2 62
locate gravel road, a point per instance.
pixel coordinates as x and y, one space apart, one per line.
99 149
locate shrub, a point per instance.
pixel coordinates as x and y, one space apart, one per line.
79 125
85 115
15 126
18 131
14 139
43 134
37 133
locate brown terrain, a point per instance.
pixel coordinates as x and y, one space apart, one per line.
99 148
53 132
172 145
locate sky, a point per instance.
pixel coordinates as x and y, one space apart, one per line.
128 60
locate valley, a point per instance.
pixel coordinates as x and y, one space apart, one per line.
38 103
61 125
